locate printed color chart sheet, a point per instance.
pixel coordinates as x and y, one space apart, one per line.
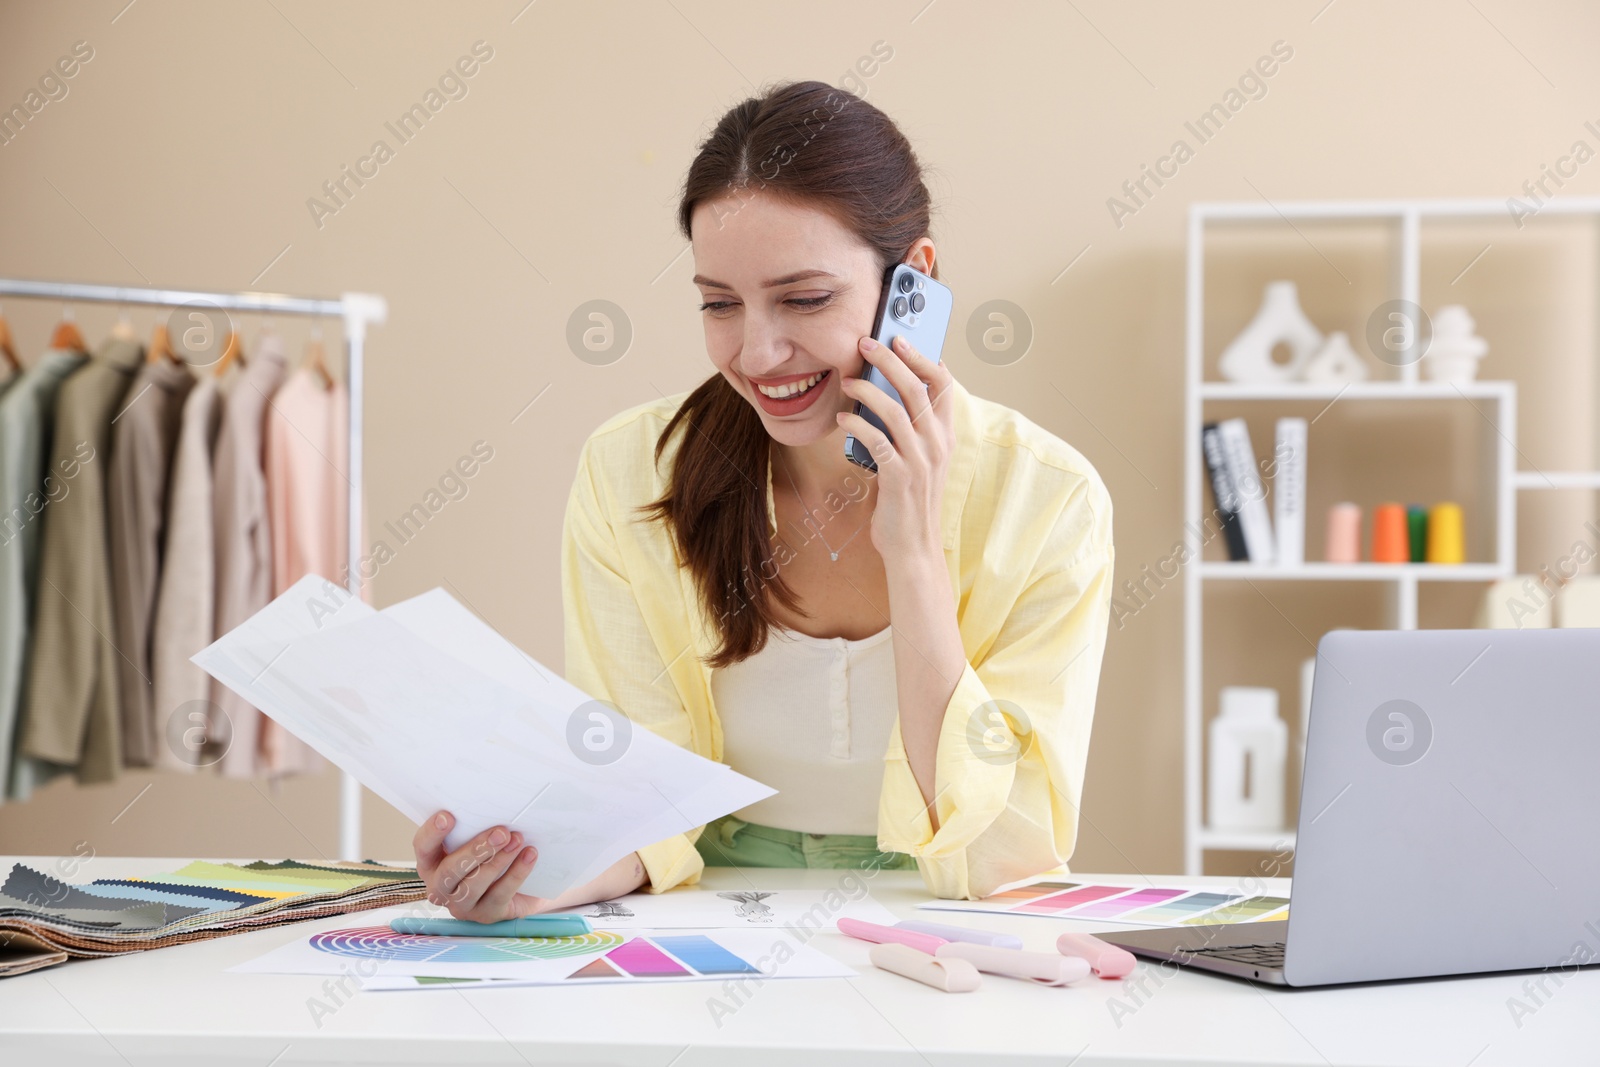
1133 905
384 959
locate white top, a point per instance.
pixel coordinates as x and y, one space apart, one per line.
810 716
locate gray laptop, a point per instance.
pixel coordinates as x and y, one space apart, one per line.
1447 815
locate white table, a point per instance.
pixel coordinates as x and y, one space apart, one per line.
177 1006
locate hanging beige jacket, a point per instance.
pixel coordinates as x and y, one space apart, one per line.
73 711
143 439
185 601
243 541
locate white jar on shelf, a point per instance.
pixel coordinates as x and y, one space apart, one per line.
1249 747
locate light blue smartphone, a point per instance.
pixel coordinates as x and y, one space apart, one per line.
913 306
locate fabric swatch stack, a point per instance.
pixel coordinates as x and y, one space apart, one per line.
44 920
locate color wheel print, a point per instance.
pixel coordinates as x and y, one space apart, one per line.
382 943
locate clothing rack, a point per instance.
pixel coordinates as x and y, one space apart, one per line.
357 311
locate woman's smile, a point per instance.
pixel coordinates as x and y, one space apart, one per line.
794 393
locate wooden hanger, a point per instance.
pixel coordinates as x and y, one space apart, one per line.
123 330
229 354
160 345
316 359
8 355
67 335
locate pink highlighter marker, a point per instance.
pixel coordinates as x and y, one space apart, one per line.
1106 960
886 935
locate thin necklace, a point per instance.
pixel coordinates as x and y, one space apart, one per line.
833 553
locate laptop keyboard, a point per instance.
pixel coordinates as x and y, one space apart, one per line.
1266 954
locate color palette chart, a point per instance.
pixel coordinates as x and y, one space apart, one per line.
1179 912
663 956
1133 905
385 959
382 943
677 956
1244 911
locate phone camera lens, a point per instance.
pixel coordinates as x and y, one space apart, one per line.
900 307
918 302
906 282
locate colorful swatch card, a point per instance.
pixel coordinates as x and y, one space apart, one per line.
1134 905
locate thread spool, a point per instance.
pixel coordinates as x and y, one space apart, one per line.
1446 541
1417 522
1344 533
1391 538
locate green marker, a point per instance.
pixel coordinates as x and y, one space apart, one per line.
527 926
1417 523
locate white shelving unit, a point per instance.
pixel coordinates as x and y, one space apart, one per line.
1500 478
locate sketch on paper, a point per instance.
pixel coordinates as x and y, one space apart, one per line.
750 908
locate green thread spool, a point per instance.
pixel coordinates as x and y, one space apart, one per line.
1417 520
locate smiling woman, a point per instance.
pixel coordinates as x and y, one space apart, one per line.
910 656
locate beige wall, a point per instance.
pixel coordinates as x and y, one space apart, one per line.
187 148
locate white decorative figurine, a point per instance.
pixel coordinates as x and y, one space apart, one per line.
1336 362
1249 748
1455 349
1279 321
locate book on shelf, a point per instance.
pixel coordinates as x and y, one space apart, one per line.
1252 492
1223 493
1289 491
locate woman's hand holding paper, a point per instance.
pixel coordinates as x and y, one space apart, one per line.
479 880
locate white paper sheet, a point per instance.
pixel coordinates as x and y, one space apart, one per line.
377 955
430 708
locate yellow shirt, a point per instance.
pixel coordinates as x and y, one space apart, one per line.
1026 525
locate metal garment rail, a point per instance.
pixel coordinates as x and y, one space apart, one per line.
357 311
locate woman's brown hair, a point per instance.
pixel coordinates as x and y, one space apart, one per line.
813 144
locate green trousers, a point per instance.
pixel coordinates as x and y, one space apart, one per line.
732 842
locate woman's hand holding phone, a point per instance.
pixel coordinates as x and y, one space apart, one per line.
911 467
906 530
479 880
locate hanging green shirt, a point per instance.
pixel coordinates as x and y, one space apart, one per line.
27 408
